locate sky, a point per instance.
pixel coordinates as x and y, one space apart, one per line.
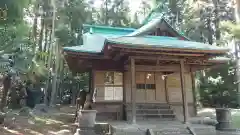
133 4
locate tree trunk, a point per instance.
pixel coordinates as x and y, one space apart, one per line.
45 38
237 15
48 65
55 76
35 27
237 11
106 12
41 37
210 34
6 87
217 21
53 98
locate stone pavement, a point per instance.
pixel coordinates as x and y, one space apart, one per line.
163 128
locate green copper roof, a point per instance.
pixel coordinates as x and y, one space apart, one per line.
107 29
82 49
156 16
153 14
94 43
160 42
96 37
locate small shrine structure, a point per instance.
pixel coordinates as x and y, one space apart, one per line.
144 73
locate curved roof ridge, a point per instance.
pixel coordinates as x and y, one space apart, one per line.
158 14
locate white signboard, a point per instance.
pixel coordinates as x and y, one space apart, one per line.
118 78
109 93
118 93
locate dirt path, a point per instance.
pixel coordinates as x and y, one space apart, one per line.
44 123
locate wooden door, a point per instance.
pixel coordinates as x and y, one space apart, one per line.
150 88
146 87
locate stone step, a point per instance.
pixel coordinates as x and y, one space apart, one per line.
171 131
201 129
154 117
153 111
150 106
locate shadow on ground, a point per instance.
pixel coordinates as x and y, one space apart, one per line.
40 123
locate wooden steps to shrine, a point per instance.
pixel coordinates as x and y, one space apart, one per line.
151 111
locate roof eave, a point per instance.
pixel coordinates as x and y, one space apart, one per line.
219 52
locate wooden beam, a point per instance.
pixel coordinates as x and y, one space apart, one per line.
175 59
167 68
69 57
184 94
133 90
142 47
126 62
118 56
157 63
156 58
162 53
193 91
81 53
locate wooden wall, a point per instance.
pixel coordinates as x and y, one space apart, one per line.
99 84
146 96
173 89
159 96
107 109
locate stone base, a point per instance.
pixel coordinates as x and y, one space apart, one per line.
87 131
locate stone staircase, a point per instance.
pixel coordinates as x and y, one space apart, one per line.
151 111
201 129
180 130
151 128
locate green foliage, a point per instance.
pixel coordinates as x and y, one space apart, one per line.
14 10
218 88
233 29
200 23
16 43
71 17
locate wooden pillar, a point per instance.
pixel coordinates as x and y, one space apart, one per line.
166 89
90 81
124 111
194 91
92 76
183 89
133 90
